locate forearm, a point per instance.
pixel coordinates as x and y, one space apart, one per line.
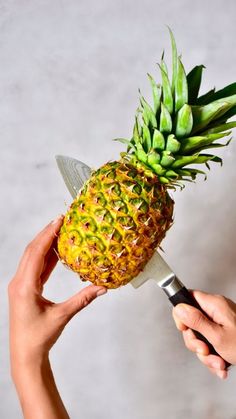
37 390
36 323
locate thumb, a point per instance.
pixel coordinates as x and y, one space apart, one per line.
196 320
80 300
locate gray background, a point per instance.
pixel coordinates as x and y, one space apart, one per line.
69 74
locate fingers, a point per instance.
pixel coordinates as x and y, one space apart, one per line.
49 265
194 344
215 364
196 320
220 315
33 260
213 305
73 305
180 326
212 361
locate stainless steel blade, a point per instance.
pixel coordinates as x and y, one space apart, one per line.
158 270
74 172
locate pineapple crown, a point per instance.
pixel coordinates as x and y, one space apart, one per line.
172 134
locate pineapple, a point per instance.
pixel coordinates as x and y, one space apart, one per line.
124 210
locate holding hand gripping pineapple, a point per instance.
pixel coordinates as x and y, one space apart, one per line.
124 210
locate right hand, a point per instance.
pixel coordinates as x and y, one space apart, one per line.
220 329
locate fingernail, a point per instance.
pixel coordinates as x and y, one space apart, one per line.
59 217
181 311
101 291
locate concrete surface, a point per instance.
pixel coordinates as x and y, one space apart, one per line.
69 74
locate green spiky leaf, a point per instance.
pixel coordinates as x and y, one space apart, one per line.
141 155
163 64
147 142
158 169
220 128
214 145
206 98
184 122
203 115
167 158
174 61
226 116
148 114
164 180
194 79
158 140
167 95
203 158
136 136
129 143
181 161
181 87
171 174
153 158
156 93
165 120
190 172
190 144
172 144
180 126
229 90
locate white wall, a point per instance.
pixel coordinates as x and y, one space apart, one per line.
69 74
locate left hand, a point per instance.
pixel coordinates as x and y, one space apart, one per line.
35 325
35 322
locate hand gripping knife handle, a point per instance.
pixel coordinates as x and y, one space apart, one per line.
177 294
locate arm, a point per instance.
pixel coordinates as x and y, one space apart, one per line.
37 390
219 328
35 325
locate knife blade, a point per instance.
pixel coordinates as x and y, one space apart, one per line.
75 173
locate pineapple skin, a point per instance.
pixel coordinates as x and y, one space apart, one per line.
114 225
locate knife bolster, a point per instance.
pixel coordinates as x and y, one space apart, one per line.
171 286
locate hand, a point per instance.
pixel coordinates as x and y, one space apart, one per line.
36 323
220 329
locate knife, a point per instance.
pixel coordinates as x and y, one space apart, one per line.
75 173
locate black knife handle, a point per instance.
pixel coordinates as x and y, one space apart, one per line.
184 296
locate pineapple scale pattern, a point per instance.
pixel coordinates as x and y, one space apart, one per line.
113 227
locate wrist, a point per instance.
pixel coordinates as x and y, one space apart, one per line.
36 389
29 365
